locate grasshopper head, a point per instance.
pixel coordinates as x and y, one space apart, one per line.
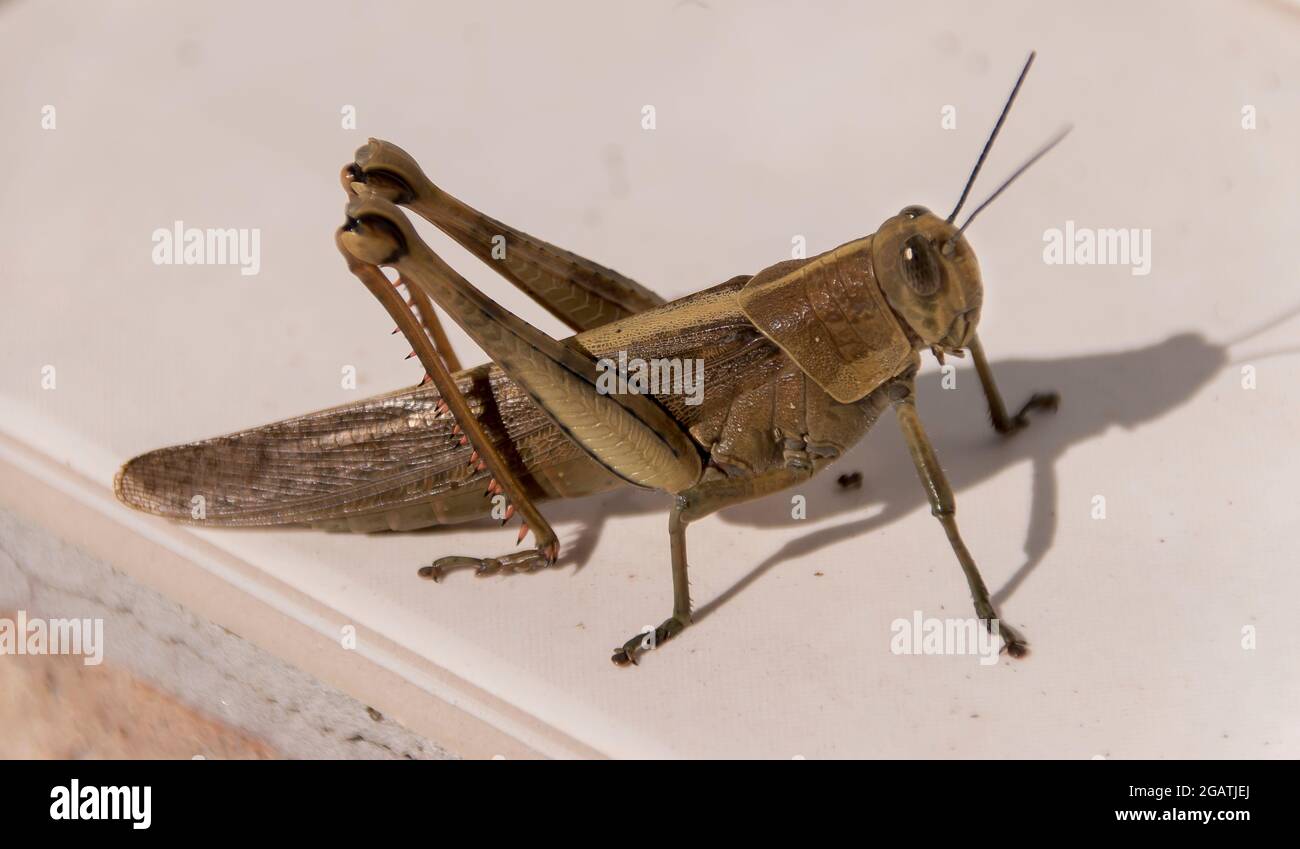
930 277
926 268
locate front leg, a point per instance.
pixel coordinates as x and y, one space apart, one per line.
1003 423
944 508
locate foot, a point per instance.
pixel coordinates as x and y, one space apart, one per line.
1012 643
1048 401
647 640
519 561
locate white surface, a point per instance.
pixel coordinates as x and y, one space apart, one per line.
772 121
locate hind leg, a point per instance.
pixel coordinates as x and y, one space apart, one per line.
485 454
579 292
629 435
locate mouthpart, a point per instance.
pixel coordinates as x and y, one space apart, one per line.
959 333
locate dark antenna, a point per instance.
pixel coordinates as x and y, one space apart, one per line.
979 163
1042 151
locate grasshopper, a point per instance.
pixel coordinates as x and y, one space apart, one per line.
802 359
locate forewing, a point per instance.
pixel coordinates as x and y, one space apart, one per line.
381 453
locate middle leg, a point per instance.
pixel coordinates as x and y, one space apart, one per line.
704 498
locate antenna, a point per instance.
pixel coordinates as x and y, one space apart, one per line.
1042 151
979 163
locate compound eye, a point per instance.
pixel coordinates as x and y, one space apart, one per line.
921 267
913 211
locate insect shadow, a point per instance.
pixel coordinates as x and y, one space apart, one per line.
1125 389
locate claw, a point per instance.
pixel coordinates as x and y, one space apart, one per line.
523 532
1048 401
1012 643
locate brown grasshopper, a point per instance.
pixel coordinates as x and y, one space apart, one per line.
802 358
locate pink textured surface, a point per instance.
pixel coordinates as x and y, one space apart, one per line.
55 707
